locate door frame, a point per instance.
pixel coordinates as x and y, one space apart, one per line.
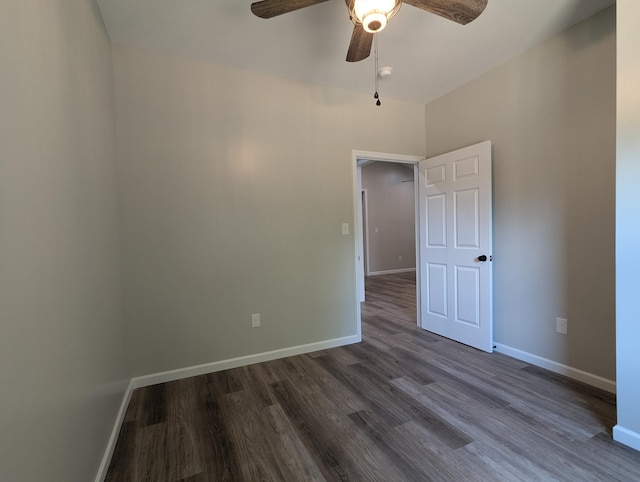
359 159
365 226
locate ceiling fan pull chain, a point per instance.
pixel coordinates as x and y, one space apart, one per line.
375 75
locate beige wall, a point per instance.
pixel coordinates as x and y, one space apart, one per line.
391 204
551 116
62 367
236 185
628 224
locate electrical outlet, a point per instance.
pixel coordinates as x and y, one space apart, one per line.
345 228
255 320
561 325
399 258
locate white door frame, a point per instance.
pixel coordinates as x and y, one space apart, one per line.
365 226
360 158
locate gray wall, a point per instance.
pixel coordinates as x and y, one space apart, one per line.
551 116
236 185
628 223
215 232
391 214
62 356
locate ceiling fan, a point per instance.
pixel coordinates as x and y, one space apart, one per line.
371 16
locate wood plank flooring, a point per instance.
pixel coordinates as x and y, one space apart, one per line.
403 405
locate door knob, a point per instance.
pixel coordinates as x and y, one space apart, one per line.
482 257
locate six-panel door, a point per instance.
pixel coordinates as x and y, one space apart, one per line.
455 234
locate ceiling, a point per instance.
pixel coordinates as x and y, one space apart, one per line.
430 56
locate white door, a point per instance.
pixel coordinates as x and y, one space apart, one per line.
455 245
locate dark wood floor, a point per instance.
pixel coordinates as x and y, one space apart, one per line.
402 405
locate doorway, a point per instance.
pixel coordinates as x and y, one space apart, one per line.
388 206
452 223
360 159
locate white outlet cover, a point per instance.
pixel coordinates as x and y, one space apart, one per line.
561 325
255 320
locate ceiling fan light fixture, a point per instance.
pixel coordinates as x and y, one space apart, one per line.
374 22
373 15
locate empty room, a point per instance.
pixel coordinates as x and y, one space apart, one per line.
197 282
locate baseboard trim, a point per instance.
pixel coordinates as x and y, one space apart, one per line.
626 437
113 438
390 271
171 375
575 373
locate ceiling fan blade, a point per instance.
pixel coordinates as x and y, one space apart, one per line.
273 8
360 45
460 11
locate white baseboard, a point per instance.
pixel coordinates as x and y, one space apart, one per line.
626 437
111 445
390 271
171 375
575 373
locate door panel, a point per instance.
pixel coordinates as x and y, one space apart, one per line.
436 221
455 226
437 289
466 218
467 295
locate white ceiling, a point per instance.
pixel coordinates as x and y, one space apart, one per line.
430 56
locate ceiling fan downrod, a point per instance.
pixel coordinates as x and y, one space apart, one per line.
376 84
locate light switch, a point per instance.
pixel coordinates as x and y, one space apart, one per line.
345 228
